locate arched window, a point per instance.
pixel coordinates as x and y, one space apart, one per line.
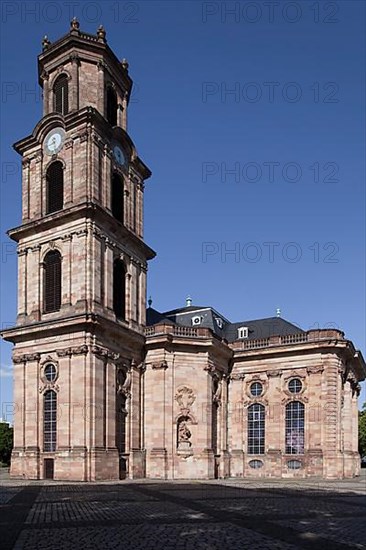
111 106
117 197
119 289
295 428
61 95
52 281
49 421
55 187
256 429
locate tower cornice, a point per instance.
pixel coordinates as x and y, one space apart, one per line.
72 42
90 211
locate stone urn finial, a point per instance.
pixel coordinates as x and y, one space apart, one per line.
101 33
45 43
74 25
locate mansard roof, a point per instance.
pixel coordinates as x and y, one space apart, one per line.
208 317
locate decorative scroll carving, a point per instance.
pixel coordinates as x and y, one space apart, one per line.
105 353
315 369
185 398
295 397
48 386
79 350
162 365
32 356
237 376
274 373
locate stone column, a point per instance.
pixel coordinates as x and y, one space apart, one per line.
32 418
235 424
26 191
74 83
120 115
124 112
333 463
66 270
101 88
139 209
155 436
46 92
22 283
18 466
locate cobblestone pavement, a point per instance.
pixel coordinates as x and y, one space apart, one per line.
229 514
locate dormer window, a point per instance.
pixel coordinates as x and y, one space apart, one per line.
243 332
196 320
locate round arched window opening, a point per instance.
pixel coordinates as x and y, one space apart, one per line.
294 464
256 464
295 385
256 389
50 372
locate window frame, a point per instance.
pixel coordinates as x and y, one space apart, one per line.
55 187
62 83
256 429
295 428
55 278
49 421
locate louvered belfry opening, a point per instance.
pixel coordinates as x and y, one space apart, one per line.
111 106
61 95
52 281
117 197
119 289
55 187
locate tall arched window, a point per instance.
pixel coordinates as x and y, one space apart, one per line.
49 421
61 95
52 281
111 106
295 428
256 429
119 289
55 187
117 197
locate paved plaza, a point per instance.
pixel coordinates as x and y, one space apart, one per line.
223 514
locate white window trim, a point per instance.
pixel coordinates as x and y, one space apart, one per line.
243 332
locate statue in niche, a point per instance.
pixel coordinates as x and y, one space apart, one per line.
183 437
184 433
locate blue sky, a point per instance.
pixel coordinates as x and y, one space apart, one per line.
251 118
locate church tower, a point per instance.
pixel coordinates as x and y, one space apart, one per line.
82 262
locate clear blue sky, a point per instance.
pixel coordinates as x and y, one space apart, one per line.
292 130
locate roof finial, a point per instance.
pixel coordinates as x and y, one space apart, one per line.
74 25
45 43
149 301
124 64
188 301
101 34
278 312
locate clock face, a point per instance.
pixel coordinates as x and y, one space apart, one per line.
119 155
54 141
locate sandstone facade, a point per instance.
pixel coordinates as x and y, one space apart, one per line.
100 395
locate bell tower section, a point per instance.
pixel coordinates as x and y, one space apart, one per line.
82 264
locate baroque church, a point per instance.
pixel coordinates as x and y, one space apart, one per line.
105 389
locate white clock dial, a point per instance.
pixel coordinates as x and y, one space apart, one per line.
54 141
119 155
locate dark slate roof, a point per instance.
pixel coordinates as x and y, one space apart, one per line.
212 319
262 328
153 317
